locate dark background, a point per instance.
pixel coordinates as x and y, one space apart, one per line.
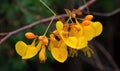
18 13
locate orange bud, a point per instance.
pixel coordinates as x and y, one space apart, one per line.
86 23
43 39
88 17
46 41
30 35
52 37
73 15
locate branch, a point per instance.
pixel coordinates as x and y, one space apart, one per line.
106 14
97 61
43 21
86 5
107 55
3 34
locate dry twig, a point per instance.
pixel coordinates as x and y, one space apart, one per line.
3 34
107 55
106 14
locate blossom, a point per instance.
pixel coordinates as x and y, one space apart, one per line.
92 30
58 49
66 40
42 53
88 30
76 41
27 51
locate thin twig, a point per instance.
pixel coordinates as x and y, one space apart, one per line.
106 14
3 34
86 5
97 61
107 55
42 21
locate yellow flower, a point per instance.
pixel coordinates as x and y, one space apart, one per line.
88 30
42 54
58 49
76 41
27 51
76 30
66 40
53 42
91 29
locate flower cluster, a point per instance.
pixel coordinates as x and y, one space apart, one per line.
65 41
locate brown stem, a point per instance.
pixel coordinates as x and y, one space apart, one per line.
106 14
3 34
107 55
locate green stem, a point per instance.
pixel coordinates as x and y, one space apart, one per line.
49 26
68 19
51 19
48 8
80 19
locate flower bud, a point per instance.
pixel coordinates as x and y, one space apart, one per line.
73 15
88 17
43 39
86 23
30 35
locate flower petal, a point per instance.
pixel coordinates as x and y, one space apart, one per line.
27 51
60 54
82 43
59 26
51 45
31 52
98 28
76 43
70 41
21 48
88 32
42 54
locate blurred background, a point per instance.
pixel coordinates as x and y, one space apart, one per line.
15 14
